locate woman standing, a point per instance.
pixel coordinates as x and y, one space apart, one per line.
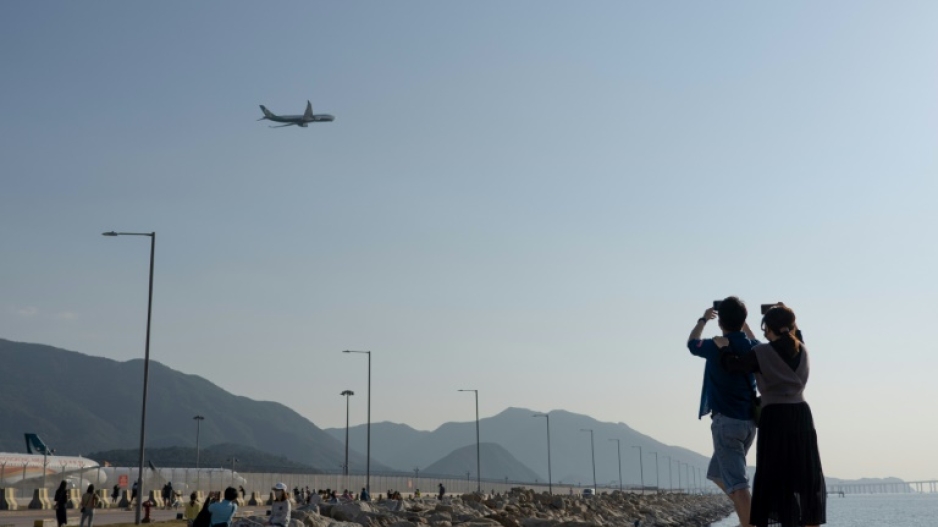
88 503
788 488
61 501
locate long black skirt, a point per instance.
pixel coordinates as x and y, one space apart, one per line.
788 489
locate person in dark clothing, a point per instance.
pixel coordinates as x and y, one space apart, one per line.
61 501
727 398
133 492
789 488
442 492
116 492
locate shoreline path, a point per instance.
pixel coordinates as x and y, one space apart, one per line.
25 518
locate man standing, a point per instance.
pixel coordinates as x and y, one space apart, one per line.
442 492
727 398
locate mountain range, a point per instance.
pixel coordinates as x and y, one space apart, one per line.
525 438
49 391
79 403
496 463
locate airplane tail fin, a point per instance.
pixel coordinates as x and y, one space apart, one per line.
34 443
309 111
267 113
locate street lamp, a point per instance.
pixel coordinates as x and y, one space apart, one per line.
347 394
641 467
368 448
146 366
198 427
619 450
478 448
550 485
670 481
593 453
680 486
233 461
657 474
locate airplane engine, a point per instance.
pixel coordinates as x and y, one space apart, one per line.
304 125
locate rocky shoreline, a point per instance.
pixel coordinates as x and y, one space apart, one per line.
519 508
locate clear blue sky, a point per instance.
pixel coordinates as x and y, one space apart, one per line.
535 199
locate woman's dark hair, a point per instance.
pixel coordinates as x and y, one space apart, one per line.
231 494
732 313
62 486
781 320
90 489
193 498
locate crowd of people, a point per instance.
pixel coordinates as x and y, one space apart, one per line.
788 488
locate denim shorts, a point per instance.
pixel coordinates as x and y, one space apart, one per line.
731 441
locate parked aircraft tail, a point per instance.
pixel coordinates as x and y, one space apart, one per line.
34 443
267 113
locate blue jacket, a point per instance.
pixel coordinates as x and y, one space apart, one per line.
725 393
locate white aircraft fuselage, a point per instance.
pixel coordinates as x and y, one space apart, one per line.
19 469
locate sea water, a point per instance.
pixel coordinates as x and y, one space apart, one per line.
874 510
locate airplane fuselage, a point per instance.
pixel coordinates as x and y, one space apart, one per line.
296 120
15 468
301 120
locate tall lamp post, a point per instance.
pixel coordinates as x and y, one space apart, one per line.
146 368
368 447
347 394
680 486
641 467
670 481
233 461
619 450
550 485
593 453
657 474
478 448
198 428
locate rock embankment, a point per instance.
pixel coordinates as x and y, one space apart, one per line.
522 508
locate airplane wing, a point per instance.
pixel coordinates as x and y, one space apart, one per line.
283 125
309 111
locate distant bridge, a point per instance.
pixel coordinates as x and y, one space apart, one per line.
904 487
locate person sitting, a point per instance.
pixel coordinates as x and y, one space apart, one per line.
364 496
223 511
192 508
417 493
280 509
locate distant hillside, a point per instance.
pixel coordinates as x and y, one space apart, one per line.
215 456
79 404
496 463
525 438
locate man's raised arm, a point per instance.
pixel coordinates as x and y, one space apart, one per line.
697 332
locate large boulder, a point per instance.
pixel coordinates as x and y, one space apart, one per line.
353 511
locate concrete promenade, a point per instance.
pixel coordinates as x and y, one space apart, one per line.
25 518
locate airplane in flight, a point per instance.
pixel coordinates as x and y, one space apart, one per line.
296 120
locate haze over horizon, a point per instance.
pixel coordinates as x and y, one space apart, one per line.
535 200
